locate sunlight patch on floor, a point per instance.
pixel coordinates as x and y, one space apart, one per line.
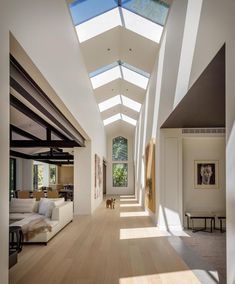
180 277
140 233
130 205
134 214
127 196
128 199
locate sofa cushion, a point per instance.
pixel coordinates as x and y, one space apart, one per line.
19 216
18 205
45 207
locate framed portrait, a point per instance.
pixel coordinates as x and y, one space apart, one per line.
206 174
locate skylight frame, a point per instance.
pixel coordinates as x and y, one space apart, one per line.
119 70
132 104
120 116
109 103
112 119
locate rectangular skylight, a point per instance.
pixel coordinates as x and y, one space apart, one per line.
113 18
128 119
155 11
142 26
84 10
130 103
112 119
106 77
110 103
134 78
99 24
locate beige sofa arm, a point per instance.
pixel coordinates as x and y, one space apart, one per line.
63 213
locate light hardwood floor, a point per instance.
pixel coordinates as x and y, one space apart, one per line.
104 249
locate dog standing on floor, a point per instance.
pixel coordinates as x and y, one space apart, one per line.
110 203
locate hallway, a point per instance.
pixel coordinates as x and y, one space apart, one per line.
118 246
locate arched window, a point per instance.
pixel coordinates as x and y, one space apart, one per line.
119 168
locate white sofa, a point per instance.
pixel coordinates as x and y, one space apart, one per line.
60 217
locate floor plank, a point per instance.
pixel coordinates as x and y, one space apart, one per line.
90 251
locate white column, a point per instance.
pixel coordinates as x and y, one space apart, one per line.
171 193
83 179
4 143
27 174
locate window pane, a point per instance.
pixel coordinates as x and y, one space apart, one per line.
84 10
154 10
120 149
52 173
120 175
12 176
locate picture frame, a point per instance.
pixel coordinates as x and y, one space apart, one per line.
206 174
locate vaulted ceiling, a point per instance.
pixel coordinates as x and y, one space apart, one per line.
119 41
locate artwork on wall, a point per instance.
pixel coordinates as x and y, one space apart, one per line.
150 175
98 177
206 174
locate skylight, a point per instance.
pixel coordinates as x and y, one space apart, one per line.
84 10
134 78
112 119
119 116
121 70
106 77
111 19
118 100
98 25
110 103
153 10
128 119
131 103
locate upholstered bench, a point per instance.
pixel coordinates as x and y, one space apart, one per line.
203 215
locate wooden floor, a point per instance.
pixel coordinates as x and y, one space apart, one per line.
104 248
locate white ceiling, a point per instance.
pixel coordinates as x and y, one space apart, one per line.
108 47
119 44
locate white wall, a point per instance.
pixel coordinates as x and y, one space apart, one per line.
53 47
170 210
24 174
204 148
130 188
4 142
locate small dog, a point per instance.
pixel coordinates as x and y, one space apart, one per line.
110 203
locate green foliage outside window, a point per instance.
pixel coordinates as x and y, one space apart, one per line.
120 175
52 173
120 149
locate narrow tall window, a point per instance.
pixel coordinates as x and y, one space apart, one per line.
120 162
12 181
52 174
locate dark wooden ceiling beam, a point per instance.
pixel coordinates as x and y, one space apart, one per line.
22 82
29 113
51 157
22 132
43 144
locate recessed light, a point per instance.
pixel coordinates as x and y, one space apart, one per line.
108 49
130 49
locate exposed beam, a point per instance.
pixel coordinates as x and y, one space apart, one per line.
28 112
43 144
59 163
23 133
39 99
19 155
51 157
